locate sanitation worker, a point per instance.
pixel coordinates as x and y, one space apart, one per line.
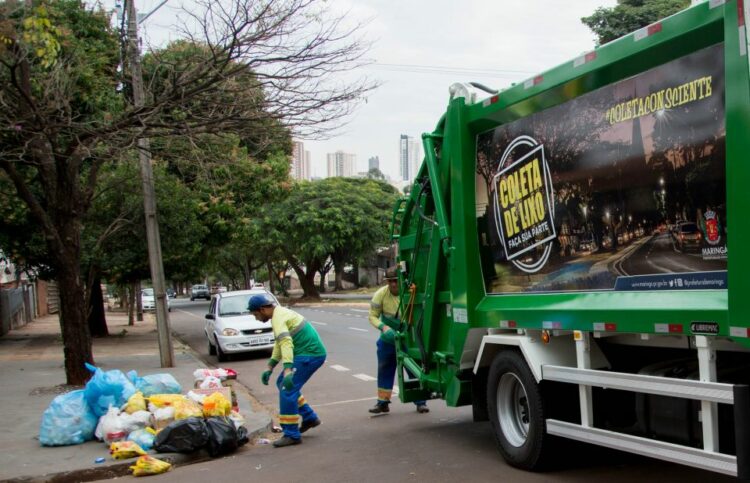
384 316
299 348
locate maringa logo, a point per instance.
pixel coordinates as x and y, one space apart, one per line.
523 206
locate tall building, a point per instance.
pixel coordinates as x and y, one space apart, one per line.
373 163
308 168
341 164
300 166
409 157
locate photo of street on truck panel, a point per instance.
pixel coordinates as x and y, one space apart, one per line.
623 188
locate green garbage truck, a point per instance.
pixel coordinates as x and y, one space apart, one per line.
564 250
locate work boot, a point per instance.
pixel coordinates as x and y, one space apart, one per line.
422 408
380 408
309 425
286 441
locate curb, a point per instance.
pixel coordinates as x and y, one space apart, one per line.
122 468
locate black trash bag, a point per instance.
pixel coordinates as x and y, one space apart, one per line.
223 437
242 437
184 436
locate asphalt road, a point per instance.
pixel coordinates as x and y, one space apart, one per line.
661 255
350 446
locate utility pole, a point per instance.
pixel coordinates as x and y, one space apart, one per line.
166 351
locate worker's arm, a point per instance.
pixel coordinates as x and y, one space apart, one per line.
376 309
283 349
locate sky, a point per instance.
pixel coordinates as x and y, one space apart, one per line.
421 47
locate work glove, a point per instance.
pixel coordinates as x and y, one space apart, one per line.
388 336
288 382
265 377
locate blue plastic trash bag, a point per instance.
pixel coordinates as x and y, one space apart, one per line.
105 389
142 438
155 384
68 420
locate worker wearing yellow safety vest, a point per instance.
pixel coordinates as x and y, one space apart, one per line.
299 348
384 316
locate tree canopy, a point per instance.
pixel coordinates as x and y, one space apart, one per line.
630 15
257 69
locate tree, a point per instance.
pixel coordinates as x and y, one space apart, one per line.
338 218
63 114
630 15
375 173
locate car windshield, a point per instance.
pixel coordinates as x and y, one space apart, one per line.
689 228
148 292
200 287
236 305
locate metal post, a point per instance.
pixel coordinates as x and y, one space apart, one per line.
583 361
166 351
709 410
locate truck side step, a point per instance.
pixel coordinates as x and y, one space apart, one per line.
698 458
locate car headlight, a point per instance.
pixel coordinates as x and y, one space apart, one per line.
230 332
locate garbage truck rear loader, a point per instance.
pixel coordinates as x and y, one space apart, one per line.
564 251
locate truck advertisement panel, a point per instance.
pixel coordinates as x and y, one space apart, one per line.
623 188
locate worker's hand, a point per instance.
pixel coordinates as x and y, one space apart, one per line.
388 335
288 382
265 377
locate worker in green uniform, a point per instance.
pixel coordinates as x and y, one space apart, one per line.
299 348
384 316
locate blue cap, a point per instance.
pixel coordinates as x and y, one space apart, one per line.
260 300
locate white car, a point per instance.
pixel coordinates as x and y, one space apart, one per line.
231 329
148 302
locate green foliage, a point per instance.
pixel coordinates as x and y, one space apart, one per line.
115 232
344 218
629 15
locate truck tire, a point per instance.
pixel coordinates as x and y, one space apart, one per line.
516 411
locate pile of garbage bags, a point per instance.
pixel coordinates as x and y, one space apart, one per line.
134 414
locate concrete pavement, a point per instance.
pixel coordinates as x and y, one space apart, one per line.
33 374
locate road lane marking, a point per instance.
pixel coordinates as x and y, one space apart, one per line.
318 323
358 329
365 377
361 310
336 367
348 401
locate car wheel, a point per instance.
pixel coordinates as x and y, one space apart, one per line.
517 412
169 309
192 299
211 349
221 356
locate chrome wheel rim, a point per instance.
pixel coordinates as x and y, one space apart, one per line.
513 409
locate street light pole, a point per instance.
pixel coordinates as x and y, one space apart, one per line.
166 351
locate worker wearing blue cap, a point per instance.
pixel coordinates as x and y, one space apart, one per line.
299 348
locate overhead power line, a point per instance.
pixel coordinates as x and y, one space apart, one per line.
449 70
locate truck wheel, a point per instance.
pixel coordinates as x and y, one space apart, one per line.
516 411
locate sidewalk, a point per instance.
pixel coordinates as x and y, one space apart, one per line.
32 374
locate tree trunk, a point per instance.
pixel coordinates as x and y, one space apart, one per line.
73 323
96 318
131 304
322 284
339 275
138 301
269 267
307 281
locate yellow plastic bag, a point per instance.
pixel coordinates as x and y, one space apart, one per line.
162 400
187 409
136 403
216 405
148 465
122 450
